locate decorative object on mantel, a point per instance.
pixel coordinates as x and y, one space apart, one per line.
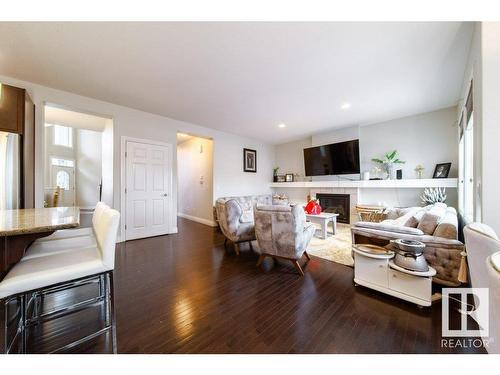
366 176
442 170
388 161
289 177
280 178
433 195
312 207
419 169
376 173
275 174
399 174
249 160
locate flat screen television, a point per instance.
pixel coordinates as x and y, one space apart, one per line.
334 159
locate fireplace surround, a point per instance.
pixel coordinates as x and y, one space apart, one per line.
336 203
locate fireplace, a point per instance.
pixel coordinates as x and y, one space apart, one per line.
336 203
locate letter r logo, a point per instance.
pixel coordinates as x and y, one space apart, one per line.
480 312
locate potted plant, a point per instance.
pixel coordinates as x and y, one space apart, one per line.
388 161
275 174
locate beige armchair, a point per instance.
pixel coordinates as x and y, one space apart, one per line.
483 249
282 232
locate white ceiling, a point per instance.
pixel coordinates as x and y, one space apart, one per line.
246 78
65 117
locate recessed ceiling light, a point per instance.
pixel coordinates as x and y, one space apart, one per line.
282 126
346 106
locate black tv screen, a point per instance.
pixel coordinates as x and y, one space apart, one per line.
333 159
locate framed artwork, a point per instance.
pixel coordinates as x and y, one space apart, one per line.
289 177
249 160
281 178
442 170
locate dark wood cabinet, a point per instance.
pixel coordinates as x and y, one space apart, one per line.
17 115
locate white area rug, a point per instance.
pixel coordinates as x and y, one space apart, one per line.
335 248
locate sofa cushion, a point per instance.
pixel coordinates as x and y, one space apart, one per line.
431 218
448 225
385 226
408 218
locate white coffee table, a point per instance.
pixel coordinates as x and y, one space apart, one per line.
323 219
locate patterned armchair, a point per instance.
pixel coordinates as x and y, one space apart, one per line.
235 217
282 232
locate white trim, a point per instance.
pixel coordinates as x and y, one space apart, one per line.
123 182
374 184
200 220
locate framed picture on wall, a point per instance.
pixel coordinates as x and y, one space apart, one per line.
442 170
289 177
249 160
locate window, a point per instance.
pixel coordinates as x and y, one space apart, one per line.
466 189
63 162
62 180
63 136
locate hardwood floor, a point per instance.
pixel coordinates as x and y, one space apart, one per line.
185 293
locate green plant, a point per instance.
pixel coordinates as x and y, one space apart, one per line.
389 158
275 171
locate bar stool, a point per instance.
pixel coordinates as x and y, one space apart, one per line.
71 233
67 239
37 276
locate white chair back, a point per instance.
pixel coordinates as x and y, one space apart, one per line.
494 322
99 208
481 242
105 229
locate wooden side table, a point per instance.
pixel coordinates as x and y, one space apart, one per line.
323 219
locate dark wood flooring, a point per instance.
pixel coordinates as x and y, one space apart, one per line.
185 293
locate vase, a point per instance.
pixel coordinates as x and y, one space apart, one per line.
391 172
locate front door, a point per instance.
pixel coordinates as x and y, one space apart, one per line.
148 190
64 178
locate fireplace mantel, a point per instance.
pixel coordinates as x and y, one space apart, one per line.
372 184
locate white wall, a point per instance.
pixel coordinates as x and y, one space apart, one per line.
229 178
426 139
88 154
290 157
195 181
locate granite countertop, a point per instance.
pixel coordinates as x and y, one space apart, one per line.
36 220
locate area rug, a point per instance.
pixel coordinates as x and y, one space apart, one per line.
335 248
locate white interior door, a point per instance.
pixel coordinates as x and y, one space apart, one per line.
148 190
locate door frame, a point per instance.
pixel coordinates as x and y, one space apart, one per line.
123 182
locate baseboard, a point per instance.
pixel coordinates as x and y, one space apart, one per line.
210 223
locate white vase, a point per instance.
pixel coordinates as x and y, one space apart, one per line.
391 172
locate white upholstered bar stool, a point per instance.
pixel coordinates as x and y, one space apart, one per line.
33 277
79 232
67 239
